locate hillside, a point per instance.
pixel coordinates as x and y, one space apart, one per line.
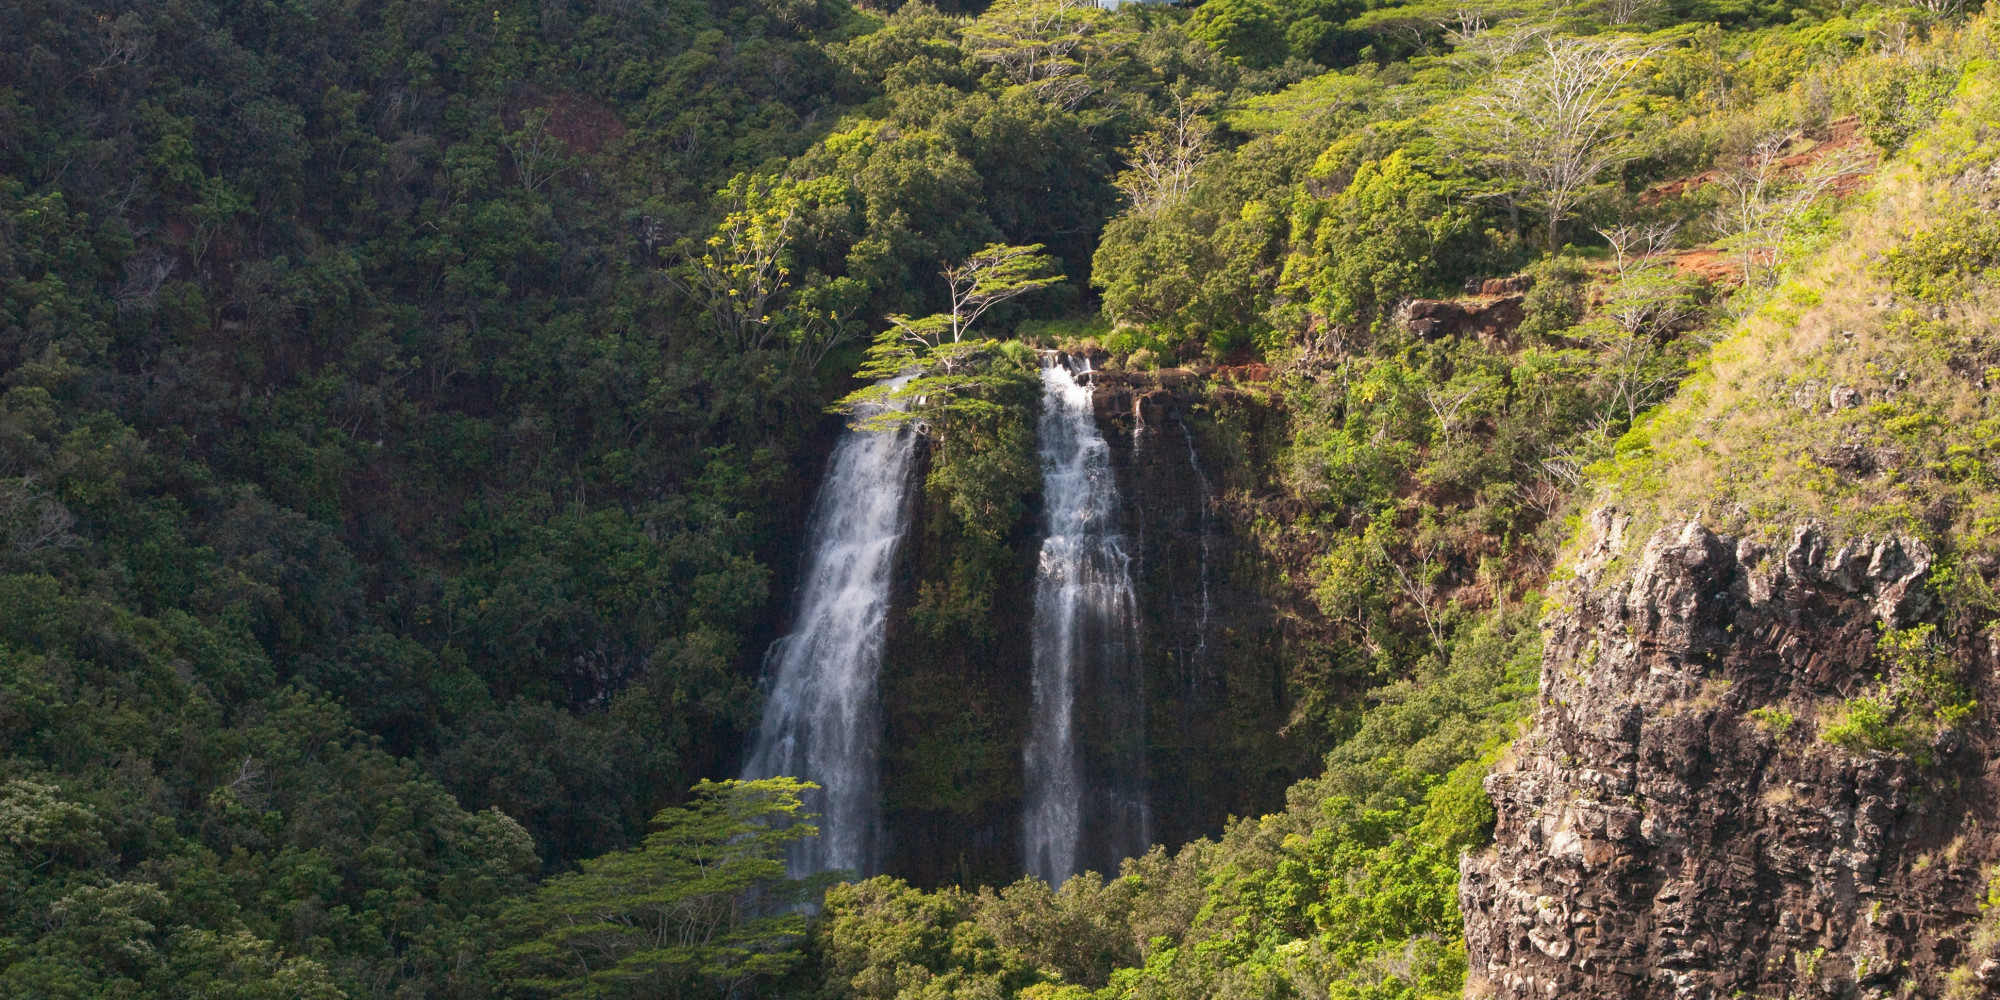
1761 757
1365 499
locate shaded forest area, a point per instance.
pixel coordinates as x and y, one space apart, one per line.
407 410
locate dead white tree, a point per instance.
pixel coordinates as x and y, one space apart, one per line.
32 519
1553 126
1642 307
1445 404
539 155
1161 163
1489 48
1628 11
1648 297
1420 587
1763 203
1938 8
126 40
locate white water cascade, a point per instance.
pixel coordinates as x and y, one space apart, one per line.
823 720
1085 654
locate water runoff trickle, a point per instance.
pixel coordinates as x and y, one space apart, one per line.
823 721
1085 797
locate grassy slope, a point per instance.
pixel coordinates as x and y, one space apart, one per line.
1845 366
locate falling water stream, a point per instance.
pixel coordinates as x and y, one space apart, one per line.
823 720
1207 546
1085 798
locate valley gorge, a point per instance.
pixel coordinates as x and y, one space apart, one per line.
999 500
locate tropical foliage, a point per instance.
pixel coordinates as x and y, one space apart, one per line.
407 410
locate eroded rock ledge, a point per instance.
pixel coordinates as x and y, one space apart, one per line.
1656 840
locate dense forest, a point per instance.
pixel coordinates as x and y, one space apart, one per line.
409 410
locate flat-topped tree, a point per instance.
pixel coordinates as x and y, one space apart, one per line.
925 369
984 280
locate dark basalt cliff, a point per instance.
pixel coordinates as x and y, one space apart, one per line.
1212 636
1654 839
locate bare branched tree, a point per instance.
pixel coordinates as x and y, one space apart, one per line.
1553 126
1163 161
1645 303
126 40
1446 402
1629 11
1419 585
1938 8
1465 27
539 156
1763 205
1469 34
1542 494
1648 297
32 519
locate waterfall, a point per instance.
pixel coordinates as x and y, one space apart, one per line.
823 720
1207 545
1085 650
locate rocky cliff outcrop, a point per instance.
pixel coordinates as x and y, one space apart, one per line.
1655 838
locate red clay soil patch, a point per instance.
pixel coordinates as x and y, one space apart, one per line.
1675 188
1843 135
1709 265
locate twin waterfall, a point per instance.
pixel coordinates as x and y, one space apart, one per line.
1084 758
1086 653
823 720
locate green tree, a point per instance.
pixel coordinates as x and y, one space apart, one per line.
743 273
927 370
1388 236
983 280
702 908
1251 32
1200 274
883 940
1051 46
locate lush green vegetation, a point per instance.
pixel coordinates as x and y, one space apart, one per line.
406 409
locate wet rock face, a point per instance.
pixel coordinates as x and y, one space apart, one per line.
1656 840
1208 635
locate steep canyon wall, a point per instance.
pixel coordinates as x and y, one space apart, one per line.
1676 825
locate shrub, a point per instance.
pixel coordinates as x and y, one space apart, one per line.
1773 720
1943 261
1555 301
1895 106
1921 699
